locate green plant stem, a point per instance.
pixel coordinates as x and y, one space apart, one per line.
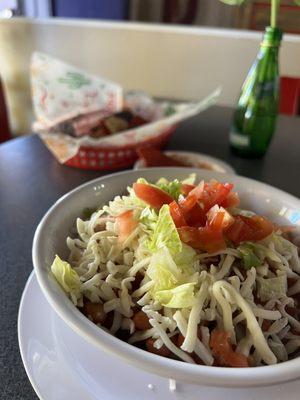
274 12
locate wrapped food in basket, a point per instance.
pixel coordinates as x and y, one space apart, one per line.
89 122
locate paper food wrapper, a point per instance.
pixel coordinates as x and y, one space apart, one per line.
61 92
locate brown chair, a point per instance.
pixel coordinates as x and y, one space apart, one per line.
171 11
5 133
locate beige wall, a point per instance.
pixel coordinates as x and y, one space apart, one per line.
166 61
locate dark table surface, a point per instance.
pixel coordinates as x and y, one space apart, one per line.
31 180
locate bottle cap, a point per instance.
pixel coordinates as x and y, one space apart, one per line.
272 36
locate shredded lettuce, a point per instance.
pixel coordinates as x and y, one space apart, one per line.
173 285
272 288
261 251
181 296
163 271
170 187
143 180
148 218
65 275
185 258
173 188
131 201
165 233
282 245
265 252
190 180
250 259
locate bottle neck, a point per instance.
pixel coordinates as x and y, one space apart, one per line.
272 38
269 47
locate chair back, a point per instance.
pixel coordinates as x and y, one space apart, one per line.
5 133
290 96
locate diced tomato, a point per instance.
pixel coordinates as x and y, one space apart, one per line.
192 198
253 229
186 188
217 220
190 236
265 325
237 231
223 352
195 216
215 193
261 227
219 217
197 191
151 195
237 360
125 225
208 195
188 203
180 340
211 239
163 351
206 238
232 200
177 214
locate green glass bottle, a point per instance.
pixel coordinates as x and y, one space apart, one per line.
254 120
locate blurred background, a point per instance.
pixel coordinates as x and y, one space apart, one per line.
176 49
254 15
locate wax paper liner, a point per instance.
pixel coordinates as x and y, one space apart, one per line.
61 92
65 147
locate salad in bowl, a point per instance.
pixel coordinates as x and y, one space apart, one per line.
178 268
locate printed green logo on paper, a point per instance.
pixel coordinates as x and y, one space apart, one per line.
74 80
169 110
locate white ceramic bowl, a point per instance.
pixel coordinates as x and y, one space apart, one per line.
50 239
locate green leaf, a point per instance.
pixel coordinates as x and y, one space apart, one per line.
181 296
250 259
169 110
65 275
272 288
165 233
297 2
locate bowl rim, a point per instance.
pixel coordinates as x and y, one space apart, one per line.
190 373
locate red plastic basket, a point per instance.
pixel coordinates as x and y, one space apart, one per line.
115 157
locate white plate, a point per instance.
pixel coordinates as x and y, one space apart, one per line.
62 366
196 159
